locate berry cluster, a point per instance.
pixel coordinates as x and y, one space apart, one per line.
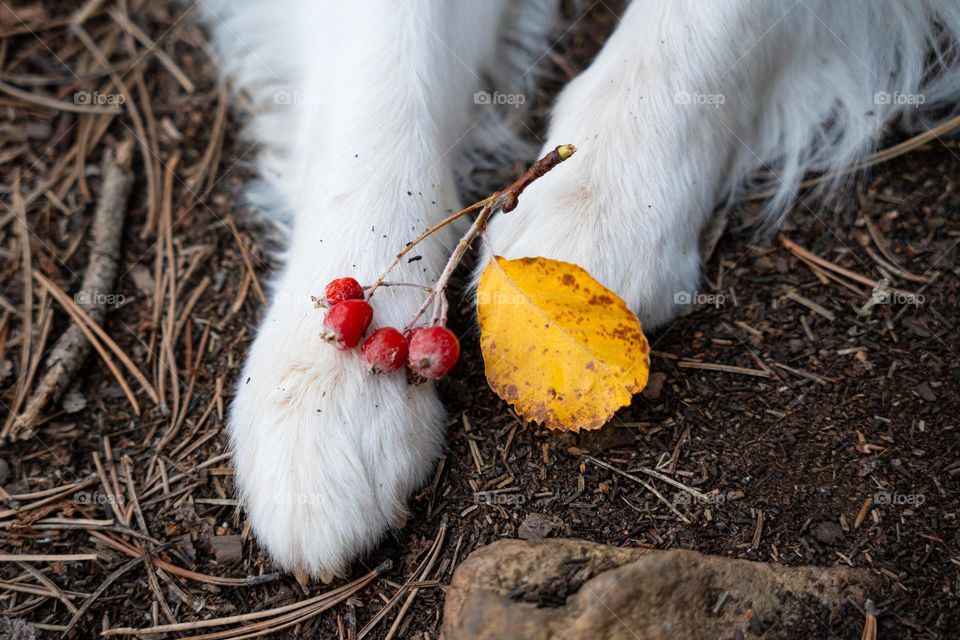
429 351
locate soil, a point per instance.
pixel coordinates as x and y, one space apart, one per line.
823 409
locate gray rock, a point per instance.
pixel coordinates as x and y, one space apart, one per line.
578 590
827 532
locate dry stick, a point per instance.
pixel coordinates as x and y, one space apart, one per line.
678 485
321 602
439 294
441 537
130 550
727 368
167 345
645 485
95 334
380 615
505 200
47 495
247 261
72 348
56 105
57 524
26 266
96 594
870 622
826 277
155 587
52 557
6 513
152 48
809 256
410 245
885 155
55 591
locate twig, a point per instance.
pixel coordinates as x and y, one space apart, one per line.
55 591
180 571
510 197
645 485
150 47
56 105
727 368
72 348
805 374
440 288
885 155
52 557
679 485
380 615
96 594
808 256
870 622
505 200
92 331
26 267
279 617
810 304
47 497
437 546
440 225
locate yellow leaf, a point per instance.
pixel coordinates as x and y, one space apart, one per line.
560 347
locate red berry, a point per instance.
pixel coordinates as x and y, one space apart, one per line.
346 322
343 289
385 350
433 351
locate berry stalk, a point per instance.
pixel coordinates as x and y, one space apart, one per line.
429 352
505 200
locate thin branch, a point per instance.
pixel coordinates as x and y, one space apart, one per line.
505 200
72 348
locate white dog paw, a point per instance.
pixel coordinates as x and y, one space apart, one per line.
580 212
325 452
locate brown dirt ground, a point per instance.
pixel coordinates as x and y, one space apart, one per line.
843 407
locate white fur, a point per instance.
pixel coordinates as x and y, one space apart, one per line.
325 454
760 79
381 92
